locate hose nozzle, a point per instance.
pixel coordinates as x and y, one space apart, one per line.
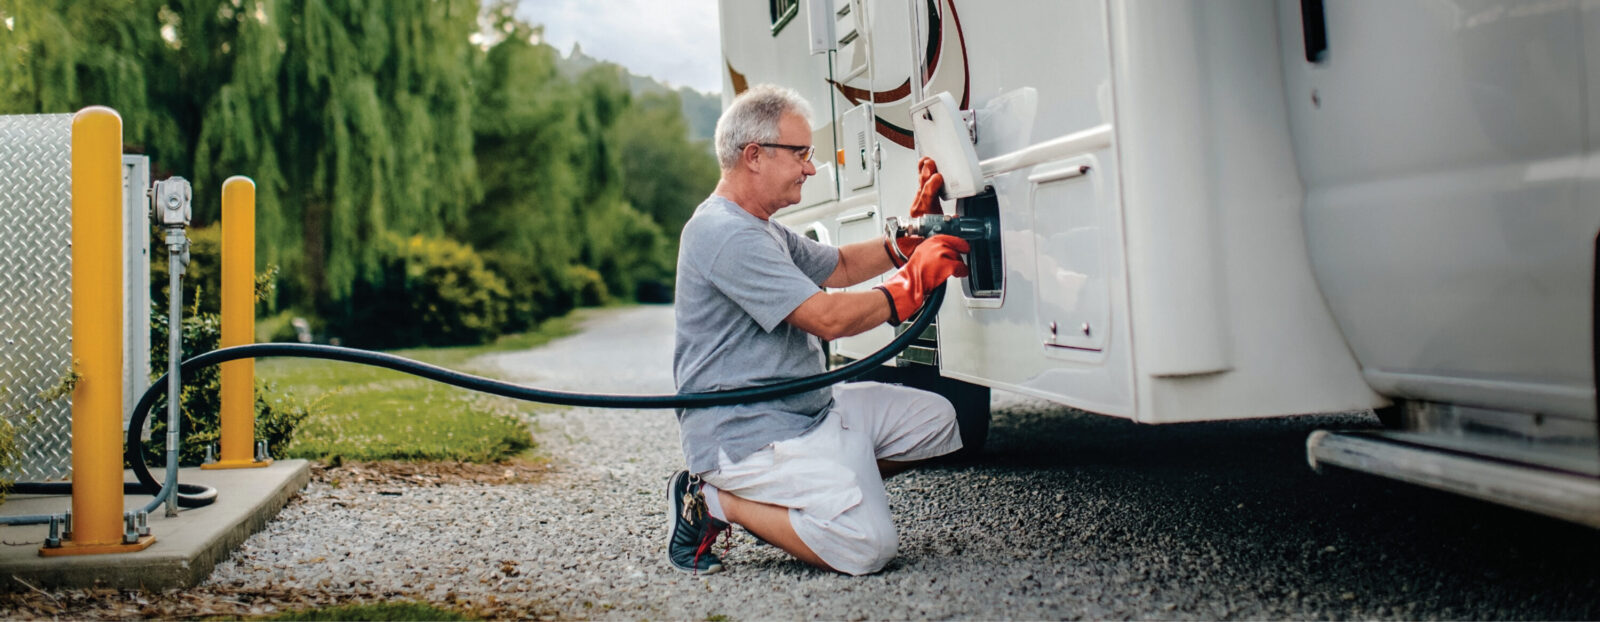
967 228
973 230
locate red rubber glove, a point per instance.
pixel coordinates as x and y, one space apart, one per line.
907 245
933 262
929 182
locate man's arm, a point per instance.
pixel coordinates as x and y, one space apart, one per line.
864 260
842 314
859 262
831 315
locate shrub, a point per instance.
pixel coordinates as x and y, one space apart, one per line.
627 248
278 327
10 453
202 278
430 291
588 287
277 413
19 413
537 294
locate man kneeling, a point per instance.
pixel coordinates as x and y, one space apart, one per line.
804 472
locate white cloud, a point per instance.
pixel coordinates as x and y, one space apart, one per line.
674 41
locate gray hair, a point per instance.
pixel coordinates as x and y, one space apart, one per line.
753 118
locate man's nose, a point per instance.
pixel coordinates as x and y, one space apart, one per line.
809 169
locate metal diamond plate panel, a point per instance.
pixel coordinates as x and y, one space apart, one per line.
36 289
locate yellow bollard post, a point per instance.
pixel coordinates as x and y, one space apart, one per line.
238 324
97 506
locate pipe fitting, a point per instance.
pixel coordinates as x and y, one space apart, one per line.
53 541
130 529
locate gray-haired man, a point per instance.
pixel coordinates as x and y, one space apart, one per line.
805 472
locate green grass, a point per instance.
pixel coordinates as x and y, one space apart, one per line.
376 611
369 413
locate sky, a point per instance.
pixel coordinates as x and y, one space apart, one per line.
674 41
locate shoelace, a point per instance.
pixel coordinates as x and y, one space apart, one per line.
708 539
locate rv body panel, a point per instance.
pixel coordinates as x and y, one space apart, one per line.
783 53
1451 192
1186 236
1060 328
1227 320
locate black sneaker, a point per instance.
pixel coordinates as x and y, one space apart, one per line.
691 531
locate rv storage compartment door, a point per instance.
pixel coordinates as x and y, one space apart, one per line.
856 139
859 224
1073 307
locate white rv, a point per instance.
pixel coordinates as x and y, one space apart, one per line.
1237 208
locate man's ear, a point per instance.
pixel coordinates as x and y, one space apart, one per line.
750 157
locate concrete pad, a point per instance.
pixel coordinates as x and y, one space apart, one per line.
187 546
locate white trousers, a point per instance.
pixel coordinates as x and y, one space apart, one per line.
828 477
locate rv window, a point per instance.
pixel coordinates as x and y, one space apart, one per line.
782 12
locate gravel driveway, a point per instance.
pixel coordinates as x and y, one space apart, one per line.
1067 515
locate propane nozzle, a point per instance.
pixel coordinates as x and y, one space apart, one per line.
967 228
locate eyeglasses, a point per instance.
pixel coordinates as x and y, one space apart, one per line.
805 153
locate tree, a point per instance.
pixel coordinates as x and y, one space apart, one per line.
376 129
59 56
524 126
666 174
361 119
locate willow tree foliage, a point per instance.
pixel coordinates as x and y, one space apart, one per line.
61 55
360 119
374 97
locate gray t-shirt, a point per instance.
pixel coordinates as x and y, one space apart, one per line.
738 277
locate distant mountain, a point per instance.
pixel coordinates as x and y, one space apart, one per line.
700 109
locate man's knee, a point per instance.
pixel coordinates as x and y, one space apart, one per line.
933 406
861 547
884 547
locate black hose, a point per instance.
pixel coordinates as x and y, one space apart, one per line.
190 495
141 412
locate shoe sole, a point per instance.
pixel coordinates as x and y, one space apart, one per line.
672 522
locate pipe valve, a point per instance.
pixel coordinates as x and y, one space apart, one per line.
170 202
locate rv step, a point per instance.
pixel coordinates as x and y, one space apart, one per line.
1570 496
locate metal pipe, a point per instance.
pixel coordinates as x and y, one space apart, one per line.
171 207
28 519
920 58
175 242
